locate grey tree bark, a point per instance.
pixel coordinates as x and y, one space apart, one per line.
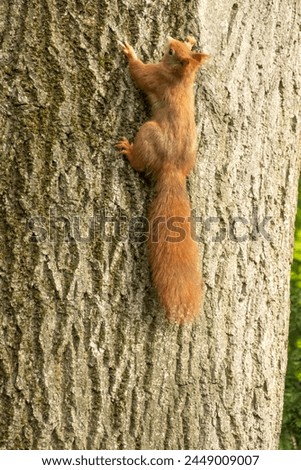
87 358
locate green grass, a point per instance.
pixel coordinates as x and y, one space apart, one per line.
291 425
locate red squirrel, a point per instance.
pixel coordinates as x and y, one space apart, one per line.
166 147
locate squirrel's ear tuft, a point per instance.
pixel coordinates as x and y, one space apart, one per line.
200 57
190 42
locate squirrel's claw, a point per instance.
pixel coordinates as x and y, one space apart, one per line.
124 146
127 50
120 44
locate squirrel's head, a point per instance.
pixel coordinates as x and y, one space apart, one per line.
179 56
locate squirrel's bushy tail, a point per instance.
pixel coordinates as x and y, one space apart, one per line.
173 254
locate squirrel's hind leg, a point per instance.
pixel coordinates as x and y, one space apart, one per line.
143 153
147 146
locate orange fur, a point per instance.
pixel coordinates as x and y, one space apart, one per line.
166 148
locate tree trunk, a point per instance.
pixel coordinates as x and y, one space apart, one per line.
87 358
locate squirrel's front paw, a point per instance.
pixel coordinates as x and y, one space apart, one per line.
128 50
124 146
